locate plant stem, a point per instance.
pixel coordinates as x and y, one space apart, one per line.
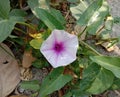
82 32
6 51
99 31
26 24
19 30
90 47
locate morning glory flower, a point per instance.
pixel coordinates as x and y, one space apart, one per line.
60 48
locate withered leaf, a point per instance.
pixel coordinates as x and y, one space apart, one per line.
9 71
27 59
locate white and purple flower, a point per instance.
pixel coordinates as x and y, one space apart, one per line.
60 48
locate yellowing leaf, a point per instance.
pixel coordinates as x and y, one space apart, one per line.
9 71
36 43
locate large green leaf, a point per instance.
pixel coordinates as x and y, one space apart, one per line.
89 75
4 8
95 80
6 26
98 18
89 12
78 9
54 81
102 82
51 17
48 19
116 84
110 63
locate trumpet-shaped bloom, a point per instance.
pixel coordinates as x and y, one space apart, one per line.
60 48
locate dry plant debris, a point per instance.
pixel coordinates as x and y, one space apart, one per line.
9 71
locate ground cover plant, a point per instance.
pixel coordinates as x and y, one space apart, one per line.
62 36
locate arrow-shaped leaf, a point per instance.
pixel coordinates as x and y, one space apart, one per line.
88 13
110 63
54 81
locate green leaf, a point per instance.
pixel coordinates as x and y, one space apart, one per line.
117 20
57 14
89 12
78 8
16 19
95 80
6 26
30 85
39 63
54 81
48 19
98 18
36 43
110 63
38 4
89 75
73 1
102 82
109 23
4 8
18 12
69 94
116 84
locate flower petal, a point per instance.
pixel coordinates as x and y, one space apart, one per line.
64 57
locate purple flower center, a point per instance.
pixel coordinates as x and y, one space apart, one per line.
58 47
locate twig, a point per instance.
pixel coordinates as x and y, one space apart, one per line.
99 31
118 93
82 32
19 30
26 24
90 47
67 14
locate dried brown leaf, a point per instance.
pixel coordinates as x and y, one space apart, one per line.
9 71
27 59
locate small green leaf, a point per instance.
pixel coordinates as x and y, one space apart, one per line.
39 63
17 12
36 43
54 81
4 8
89 12
30 85
109 23
110 63
48 19
117 20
